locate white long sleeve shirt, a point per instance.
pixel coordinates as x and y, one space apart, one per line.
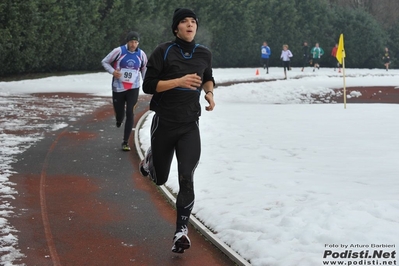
286 55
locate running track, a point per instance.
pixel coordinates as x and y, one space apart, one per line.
81 200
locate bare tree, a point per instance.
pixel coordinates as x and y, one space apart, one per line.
384 11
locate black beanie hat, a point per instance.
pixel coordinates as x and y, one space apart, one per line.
179 15
132 36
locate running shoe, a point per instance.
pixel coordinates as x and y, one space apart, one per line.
125 146
145 163
181 242
143 171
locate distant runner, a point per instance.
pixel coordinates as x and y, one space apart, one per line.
126 63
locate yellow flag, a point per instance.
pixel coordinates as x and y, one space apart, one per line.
341 49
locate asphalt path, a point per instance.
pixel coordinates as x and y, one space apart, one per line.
81 201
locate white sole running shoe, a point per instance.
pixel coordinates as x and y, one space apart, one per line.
142 170
181 242
146 163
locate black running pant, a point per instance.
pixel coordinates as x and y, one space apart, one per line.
286 65
182 139
265 62
305 61
121 100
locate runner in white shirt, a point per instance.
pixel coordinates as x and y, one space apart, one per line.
286 57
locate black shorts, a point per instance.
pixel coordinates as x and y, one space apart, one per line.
264 62
286 64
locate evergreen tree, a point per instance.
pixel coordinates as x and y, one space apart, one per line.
393 44
58 35
18 36
364 37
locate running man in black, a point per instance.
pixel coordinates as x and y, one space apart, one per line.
387 58
177 72
305 58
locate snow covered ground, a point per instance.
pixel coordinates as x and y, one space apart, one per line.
282 181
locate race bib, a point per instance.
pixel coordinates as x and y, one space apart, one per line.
264 51
128 77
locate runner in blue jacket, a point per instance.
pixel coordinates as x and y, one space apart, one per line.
127 64
265 55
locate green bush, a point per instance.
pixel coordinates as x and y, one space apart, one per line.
46 36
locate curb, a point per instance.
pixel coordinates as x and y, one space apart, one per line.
234 256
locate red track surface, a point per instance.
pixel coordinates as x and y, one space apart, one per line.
372 95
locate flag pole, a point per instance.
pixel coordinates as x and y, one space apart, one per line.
343 74
341 59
